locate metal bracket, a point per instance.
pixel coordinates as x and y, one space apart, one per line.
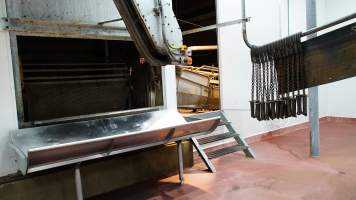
353 28
4 24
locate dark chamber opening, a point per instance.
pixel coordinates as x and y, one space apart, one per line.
64 77
196 14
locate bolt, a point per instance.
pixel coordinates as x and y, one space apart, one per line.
353 28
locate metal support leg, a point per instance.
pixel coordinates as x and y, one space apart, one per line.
180 162
313 92
78 183
314 122
203 155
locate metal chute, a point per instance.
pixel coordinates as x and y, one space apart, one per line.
154 29
52 146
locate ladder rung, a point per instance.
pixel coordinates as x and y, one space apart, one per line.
224 151
214 138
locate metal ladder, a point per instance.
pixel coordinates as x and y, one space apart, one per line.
231 133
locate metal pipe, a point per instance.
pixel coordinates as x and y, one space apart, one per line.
244 31
78 183
180 162
288 16
203 48
313 93
110 21
328 25
214 26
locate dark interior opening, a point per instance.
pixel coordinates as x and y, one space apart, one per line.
195 95
64 77
196 14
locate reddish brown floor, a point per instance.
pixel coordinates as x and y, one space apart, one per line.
282 170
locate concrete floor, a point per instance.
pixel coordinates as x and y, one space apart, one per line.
282 170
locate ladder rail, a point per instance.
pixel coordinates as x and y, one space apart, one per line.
241 143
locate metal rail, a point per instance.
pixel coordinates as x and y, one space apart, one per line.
328 25
215 26
110 21
304 34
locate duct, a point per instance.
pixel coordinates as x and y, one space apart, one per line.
52 146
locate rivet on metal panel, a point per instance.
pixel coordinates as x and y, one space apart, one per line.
4 25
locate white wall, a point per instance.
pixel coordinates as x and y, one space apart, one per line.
8 117
268 24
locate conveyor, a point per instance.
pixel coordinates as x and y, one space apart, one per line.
47 147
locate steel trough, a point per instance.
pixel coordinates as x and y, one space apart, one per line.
52 146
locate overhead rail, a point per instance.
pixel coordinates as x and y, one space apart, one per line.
215 26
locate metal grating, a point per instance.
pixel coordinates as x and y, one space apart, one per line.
61 90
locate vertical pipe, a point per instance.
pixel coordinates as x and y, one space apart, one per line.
78 183
243 17
180 161
288 17
313 92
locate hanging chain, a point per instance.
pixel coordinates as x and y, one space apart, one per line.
278 75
